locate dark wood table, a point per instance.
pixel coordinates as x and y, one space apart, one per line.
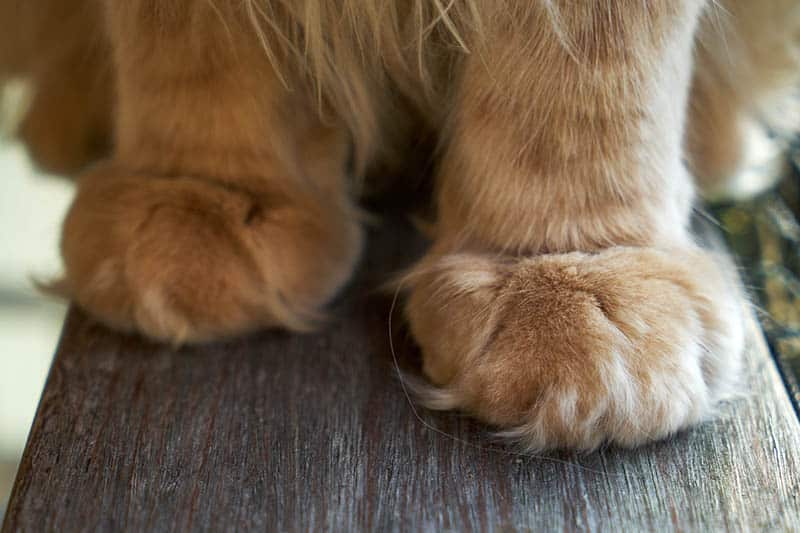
283 432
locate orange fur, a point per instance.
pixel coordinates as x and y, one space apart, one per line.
61 49
748 57
562 299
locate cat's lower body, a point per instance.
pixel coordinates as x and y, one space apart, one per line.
562 298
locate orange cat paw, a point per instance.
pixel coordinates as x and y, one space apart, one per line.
570 351
184 259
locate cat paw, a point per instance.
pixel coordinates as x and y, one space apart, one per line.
184 259
624 346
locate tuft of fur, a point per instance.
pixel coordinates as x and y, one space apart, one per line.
365 62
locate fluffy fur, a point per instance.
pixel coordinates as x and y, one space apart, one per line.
562 299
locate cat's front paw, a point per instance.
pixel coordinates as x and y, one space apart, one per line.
185 259
625 346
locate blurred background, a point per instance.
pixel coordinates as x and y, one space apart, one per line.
32 205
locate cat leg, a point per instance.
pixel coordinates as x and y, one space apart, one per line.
225 205
60 51
746 75
563 300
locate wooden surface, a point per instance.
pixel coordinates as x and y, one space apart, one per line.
281 432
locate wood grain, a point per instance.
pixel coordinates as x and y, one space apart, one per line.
290 433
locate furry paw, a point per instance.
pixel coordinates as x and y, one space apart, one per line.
570 351
188 260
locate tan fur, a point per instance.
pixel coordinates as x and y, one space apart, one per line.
748 57
61 49
562 299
